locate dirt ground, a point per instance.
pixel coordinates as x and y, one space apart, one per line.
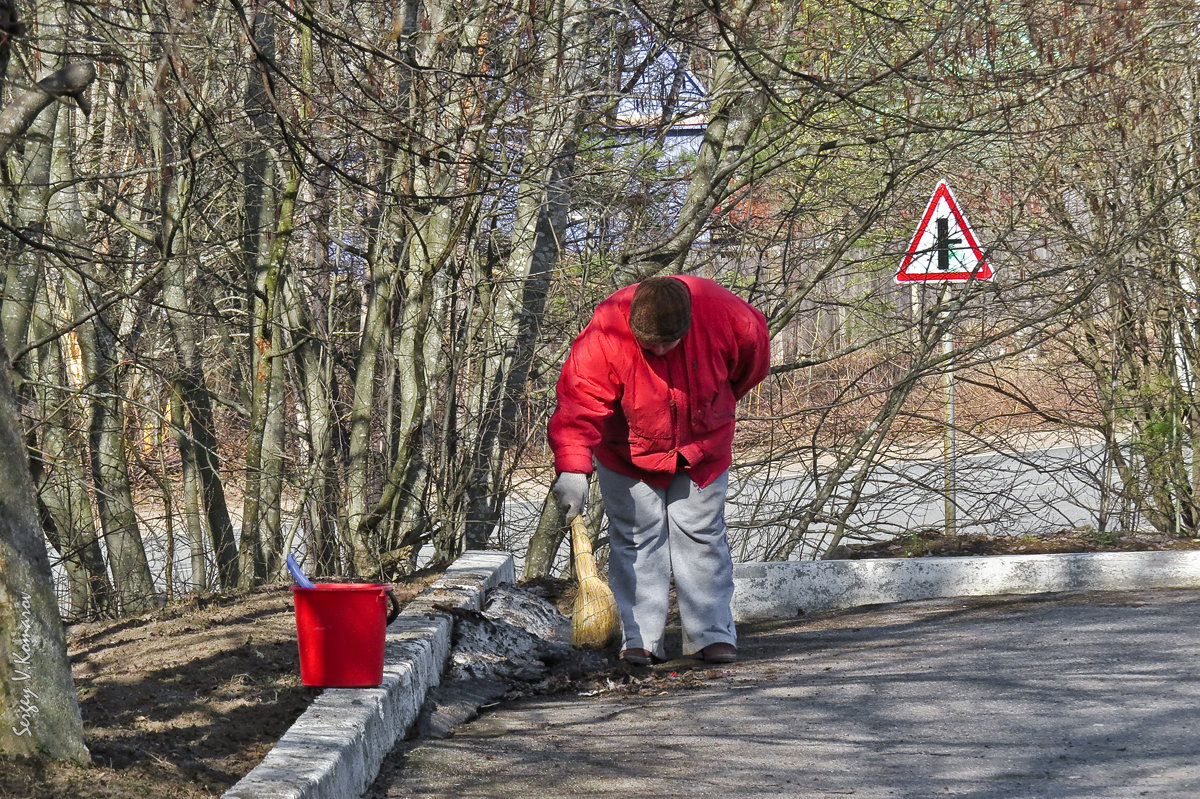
183 702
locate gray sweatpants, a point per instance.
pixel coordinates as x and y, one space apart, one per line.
654 533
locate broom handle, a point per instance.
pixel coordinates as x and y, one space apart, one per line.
581 547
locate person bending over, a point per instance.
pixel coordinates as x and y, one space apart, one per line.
649 391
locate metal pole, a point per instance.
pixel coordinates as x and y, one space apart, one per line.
948 453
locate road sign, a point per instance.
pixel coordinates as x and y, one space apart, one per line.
944 247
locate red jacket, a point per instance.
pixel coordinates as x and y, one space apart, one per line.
637 412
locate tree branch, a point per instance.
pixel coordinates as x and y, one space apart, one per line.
70 81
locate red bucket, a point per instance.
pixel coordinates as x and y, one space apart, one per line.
340 629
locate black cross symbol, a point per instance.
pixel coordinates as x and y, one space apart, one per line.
943 244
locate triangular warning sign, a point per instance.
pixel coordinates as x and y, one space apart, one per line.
944 247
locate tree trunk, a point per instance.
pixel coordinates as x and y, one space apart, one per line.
24 118
261 538
192 517
39 710
261 534
485 493
315 368
108 372
63 486
536 243
197 440
110 471
25 268
362 406
545 541
271 485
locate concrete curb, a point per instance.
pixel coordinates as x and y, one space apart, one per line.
335 748
784 590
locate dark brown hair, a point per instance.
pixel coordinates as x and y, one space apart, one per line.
661 311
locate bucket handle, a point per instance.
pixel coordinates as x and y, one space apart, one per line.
394 606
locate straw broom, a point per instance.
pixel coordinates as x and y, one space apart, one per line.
594 619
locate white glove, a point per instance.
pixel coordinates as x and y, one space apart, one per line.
570 490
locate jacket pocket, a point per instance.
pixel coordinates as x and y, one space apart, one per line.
648 416
714 409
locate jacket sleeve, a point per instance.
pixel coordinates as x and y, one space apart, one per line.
753 349
587 395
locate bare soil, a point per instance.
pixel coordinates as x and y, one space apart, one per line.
184 701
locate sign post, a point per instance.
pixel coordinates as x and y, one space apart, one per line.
944 249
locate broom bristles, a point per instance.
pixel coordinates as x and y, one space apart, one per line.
595 621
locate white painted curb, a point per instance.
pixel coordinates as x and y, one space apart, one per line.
335 748
784 590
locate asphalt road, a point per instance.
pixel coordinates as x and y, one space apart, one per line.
1017 493
1066 696
1014 493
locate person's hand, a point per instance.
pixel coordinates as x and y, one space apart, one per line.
570 491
